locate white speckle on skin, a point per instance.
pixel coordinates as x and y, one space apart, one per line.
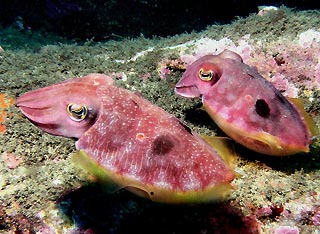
163 184
237 106
161 179
254 117
239 122
231 97
224 113
190 182
132 176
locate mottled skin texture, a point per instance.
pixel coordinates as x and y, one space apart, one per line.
137 144
245 105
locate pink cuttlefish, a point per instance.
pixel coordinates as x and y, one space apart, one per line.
246 106
132 142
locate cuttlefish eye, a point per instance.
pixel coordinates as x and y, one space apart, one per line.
209 72
205 75
77 112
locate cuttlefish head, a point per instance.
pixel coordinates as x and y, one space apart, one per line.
204 73
66 109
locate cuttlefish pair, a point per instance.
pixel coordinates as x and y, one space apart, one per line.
141 147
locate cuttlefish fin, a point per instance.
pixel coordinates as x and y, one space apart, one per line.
97 173
149 190
311 125
224 147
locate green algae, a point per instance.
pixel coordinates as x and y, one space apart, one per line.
45 173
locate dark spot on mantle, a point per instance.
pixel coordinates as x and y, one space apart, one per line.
262 108
162 145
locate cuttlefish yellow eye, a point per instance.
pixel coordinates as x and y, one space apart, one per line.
77 112
205 75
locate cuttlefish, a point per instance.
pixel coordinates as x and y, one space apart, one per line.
130 141
247 107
